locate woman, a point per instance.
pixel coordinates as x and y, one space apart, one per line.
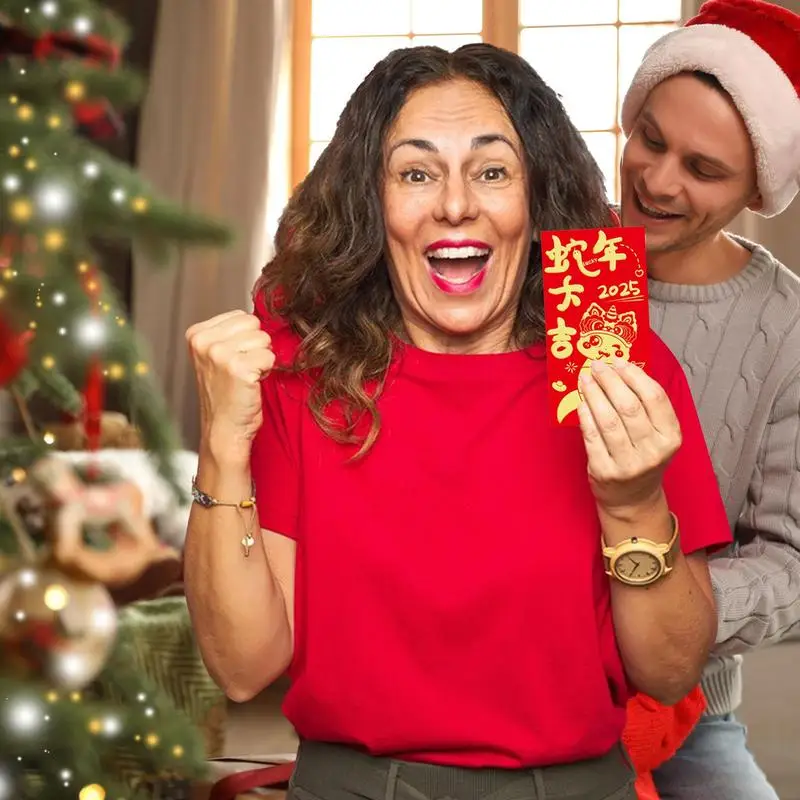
429 565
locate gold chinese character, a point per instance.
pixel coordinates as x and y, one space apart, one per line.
609 249
570 291
560 253
561 335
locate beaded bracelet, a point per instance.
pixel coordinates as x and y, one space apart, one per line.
207 501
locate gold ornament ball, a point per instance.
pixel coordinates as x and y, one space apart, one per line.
14 150
31 164
54 121
25 112
94 791
54 627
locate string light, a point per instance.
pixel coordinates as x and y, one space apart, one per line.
31 164
94 791
90 332
49 8
25 716
83 268
54 200
59 298
14 151
51 697
13 99
11 183
56 597
151 740
91 170
141 368
48 438
82 25
53 240
95 726
118 195
48 362
177 751
116 372
75 697
21 210
54 121
139 204
75 91
111 726
25 112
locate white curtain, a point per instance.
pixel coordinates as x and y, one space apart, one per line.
213 137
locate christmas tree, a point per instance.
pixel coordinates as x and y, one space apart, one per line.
65 342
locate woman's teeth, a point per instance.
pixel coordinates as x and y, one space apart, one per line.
459 252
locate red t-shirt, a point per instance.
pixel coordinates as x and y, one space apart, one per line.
451 604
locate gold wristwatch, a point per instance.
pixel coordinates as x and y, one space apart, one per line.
641 562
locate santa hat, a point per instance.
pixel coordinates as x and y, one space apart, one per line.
752 47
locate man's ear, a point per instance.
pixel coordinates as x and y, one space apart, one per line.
757 203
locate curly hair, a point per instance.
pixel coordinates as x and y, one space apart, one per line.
329 279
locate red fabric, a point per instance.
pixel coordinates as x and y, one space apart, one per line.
13 352
450 601
654 733
774 29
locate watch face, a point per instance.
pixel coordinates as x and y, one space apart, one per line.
637 567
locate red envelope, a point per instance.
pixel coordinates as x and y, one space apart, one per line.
596 307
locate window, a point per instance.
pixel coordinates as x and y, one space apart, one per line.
587 50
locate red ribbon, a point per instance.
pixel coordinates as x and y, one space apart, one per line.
231 786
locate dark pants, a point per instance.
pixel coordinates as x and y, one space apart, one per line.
334 772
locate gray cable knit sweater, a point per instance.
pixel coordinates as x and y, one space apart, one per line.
739 343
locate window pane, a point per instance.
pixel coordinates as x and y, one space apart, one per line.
337 68
359 17
315 151
447 42
633 42
603 148
649 10
445 16
568 12
581 65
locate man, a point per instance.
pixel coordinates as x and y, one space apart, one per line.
713 125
